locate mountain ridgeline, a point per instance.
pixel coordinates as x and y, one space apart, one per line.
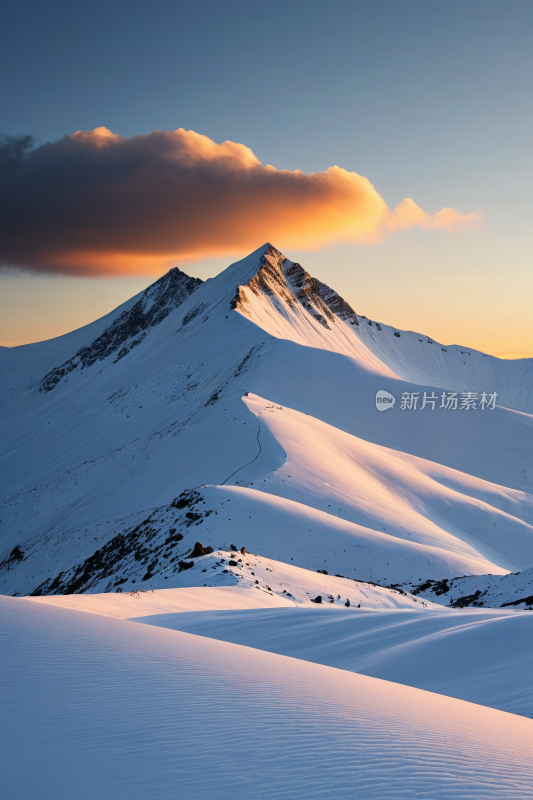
254 392
131 327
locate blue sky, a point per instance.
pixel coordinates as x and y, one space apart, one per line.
429 100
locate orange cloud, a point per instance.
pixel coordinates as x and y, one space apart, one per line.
449 219
407 214
96 203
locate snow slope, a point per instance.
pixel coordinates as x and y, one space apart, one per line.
478 655
110 436
23 366
118 710
288 303
484 657
493 591
278 583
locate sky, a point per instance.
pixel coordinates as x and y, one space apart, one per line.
421 106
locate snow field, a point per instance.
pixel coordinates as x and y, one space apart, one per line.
483 657
140 711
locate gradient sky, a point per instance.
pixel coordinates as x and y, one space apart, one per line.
427 100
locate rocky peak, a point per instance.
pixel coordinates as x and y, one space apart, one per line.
131 327
287 282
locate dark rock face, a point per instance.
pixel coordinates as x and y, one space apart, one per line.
280 278
14 558
313 292
16 554
527 600
131 327
439 587
317 599
198 550
463 602
150 548
184 565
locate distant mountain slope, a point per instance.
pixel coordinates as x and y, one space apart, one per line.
288 303
513 591
143 568
421 360
263 380
130 327
23 366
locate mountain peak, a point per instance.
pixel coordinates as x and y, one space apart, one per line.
131 327
285 281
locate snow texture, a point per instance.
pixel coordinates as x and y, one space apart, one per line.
484 657
235 568
121 710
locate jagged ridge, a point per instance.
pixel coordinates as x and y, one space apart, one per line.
288 282
479 591
130 328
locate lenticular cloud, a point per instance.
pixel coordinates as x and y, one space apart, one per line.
96 203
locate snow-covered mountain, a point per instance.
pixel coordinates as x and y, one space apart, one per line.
130 327
514 590
244 408
210 459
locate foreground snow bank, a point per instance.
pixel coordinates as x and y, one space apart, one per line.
115 710
163 601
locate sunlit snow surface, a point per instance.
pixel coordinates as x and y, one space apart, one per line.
396 497
483 656
100 707
241 412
